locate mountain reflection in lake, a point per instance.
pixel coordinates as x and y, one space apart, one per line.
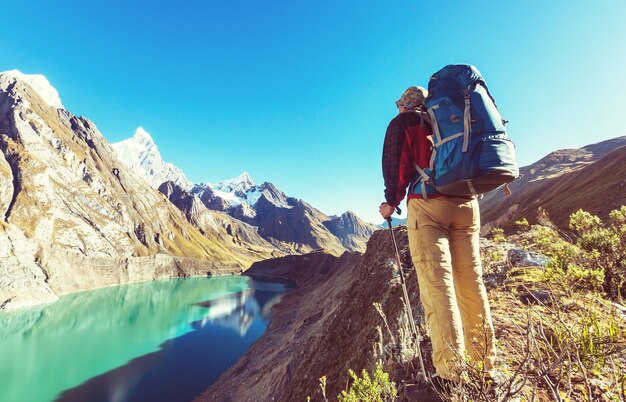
157 341
238 311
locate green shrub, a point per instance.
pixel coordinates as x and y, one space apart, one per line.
603 246
595 258
497 234
368 389
576 277
523 224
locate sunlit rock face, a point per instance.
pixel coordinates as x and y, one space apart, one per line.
40 85
351 230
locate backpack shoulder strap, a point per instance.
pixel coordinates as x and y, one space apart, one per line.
424 117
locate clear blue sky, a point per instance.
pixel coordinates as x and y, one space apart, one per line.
300 93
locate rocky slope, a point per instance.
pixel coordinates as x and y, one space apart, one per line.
564 181
74 217
350 229
323 327
300 225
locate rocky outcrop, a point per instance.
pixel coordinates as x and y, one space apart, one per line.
22 281
323 327
300 225
74 217
209 198
538 296
523 258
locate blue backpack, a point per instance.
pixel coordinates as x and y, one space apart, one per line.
472 153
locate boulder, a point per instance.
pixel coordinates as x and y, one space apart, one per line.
538 296
524 258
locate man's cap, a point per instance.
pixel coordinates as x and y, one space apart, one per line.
412 98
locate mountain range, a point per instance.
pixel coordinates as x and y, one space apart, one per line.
75 216
283 222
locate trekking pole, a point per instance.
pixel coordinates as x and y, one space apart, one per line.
407 303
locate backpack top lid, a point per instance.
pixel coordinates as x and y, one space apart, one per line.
455 75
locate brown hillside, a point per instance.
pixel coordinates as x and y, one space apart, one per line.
591 178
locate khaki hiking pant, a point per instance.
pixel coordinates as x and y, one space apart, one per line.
444 242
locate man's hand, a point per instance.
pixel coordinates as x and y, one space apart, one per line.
385 210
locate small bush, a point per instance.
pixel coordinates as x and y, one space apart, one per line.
365 388
497 234
595 258
576 277
523 224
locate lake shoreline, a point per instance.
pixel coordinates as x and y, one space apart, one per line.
68 273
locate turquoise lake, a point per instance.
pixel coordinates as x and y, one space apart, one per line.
165 340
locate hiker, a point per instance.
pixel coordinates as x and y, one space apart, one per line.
444 243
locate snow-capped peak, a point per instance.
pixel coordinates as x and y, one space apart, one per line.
240 192
242 182
244 177
141 155
41 85
142 135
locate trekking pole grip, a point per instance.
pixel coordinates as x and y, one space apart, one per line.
389 219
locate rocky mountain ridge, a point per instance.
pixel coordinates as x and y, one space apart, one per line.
288 224
208 221
75 217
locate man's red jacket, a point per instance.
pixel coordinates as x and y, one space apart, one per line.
409 139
